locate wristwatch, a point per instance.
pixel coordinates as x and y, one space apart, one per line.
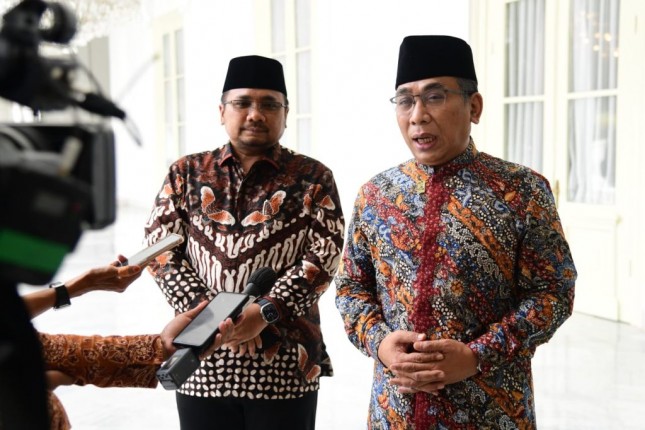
62 296
268 311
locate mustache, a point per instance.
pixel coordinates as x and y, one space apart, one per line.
255 126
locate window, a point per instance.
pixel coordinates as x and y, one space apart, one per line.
593 85
170 37
524 92
290 29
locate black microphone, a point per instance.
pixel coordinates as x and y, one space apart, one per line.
198 335
260 282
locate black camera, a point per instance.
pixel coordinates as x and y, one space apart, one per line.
56 180
48 200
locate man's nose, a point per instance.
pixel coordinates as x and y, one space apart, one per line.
419 114
254 112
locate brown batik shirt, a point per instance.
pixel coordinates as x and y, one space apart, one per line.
284 214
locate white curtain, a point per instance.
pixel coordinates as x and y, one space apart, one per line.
592 119
525 77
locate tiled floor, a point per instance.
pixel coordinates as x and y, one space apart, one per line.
590 376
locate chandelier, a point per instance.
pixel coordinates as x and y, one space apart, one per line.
95 18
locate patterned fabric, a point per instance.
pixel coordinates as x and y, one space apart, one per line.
473 251
112 361
105 361
285 214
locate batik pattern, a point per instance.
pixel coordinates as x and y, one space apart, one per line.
284 214
500 278
104 361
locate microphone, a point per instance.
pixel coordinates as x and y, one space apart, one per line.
260 282
197 336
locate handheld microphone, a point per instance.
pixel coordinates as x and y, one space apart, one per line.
260 282
197 336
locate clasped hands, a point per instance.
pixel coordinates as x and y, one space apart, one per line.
419 364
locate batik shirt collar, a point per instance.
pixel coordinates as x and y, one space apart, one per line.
463 159
272 155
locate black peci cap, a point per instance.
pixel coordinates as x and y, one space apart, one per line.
254 71
423 57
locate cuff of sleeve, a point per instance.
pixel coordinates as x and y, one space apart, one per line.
483 366
158 351
373 340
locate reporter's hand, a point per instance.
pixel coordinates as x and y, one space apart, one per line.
177 324
56 378
106 278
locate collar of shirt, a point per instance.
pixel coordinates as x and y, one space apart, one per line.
463 159
272 155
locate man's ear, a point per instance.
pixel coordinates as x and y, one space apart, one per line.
476 107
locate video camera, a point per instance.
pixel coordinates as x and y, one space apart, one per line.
55 180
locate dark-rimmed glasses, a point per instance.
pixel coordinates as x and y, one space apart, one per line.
264 106
434 98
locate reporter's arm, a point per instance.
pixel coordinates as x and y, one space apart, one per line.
106 278
117 361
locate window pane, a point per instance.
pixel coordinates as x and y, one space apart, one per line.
179 51
181 137
277 26
167 61
171 150
594 45
524 134
304 81
181 106
525 48
168 101
304 135
302 23
592 150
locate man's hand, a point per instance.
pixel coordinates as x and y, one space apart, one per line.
418 374
245 336
397 353
177 324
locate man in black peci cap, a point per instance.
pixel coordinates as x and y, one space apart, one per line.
249 204
456 267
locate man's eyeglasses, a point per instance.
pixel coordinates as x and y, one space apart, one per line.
265 106
435 98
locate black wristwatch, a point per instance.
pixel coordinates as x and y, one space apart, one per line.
62 296
268 311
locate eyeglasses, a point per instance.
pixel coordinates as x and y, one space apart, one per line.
434 98
265 106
